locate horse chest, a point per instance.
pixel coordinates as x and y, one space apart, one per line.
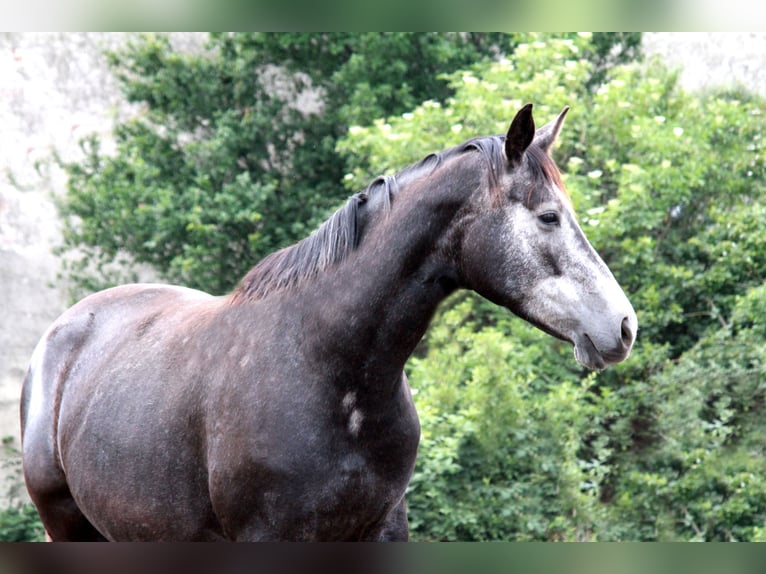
363 464
353 498
309 478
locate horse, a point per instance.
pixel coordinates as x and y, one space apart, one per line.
281 410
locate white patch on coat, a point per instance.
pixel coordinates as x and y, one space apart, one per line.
355 415
355 422
349 400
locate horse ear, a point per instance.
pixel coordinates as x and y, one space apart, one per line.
547 134
520 135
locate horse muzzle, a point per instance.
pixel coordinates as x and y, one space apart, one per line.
603 348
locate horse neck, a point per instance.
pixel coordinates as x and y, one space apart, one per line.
375 306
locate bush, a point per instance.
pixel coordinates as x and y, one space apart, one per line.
21 524
19 521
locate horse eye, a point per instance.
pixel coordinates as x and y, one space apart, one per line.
550 218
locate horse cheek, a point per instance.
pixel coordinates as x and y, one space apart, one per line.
490 263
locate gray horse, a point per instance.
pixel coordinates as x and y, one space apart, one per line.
281 411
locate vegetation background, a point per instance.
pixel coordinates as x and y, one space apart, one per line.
249 143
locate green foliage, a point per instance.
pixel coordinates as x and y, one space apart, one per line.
21 524
501 436
19 521
669 187
703 477
486 98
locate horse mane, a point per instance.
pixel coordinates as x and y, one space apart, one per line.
329 244
339 235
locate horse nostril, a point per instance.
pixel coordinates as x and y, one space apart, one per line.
626 333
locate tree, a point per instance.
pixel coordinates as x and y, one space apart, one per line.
233 154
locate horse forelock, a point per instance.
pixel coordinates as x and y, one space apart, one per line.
540 165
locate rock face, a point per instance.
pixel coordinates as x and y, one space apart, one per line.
27 272
710 60
55 88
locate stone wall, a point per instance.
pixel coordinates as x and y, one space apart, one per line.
710 60
53 89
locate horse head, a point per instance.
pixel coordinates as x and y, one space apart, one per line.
523 249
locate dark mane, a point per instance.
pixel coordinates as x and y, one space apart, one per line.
339 235
329 244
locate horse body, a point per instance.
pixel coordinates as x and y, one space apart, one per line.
319 444
281 411
300 452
